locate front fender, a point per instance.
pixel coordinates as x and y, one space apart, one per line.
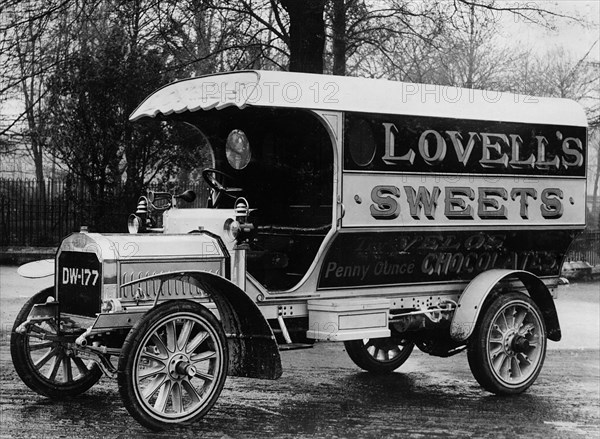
473 297
253 349
37 269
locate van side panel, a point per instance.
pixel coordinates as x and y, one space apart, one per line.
438 200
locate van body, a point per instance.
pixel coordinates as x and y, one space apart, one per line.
380 214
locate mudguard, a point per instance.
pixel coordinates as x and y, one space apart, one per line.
253 349
473 297
37 269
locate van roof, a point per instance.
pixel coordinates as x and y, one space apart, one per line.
343 93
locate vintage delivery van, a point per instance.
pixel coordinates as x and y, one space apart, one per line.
383 215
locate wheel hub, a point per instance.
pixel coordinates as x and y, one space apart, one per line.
180 367
520 344
514 343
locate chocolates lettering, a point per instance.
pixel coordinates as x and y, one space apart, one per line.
446 263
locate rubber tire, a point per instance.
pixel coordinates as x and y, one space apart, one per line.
477 351
358 352
127 359
22 361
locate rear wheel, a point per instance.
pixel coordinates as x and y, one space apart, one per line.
173 365
45 364
507 349
379 355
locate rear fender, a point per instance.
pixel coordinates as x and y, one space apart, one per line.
473 297
253 349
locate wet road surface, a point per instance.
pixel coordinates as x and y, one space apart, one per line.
323 395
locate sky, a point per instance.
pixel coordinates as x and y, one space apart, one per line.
575 36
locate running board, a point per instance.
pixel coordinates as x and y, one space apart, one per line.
294 346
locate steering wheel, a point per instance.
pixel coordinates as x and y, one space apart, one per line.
210 177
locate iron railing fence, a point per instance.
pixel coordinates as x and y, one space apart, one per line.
31 216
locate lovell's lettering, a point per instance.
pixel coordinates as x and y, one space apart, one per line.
452 146
496 150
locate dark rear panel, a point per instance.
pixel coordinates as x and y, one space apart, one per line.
79 283
365 259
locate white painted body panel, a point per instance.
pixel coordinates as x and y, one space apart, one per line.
358 186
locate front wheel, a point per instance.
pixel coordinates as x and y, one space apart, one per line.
173 365
379 355
507 349
43 359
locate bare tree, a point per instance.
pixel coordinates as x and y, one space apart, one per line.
307 34
243 34
366 37
34 44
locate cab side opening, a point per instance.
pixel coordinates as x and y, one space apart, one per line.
282 162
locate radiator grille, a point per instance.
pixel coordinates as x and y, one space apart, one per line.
79 283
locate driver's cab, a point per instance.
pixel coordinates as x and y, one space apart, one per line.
281 161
